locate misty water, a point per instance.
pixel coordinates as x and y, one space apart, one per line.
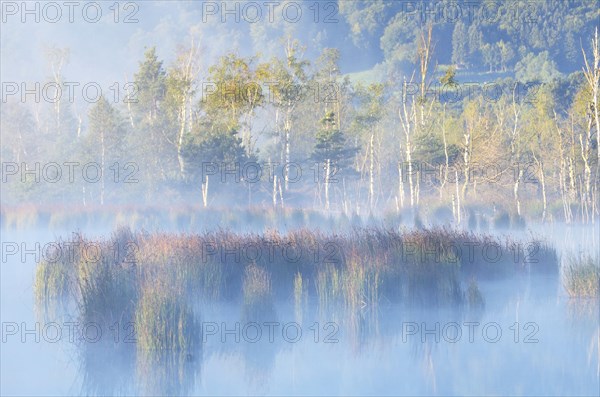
530 339
360 129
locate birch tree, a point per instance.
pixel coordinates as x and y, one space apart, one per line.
181 86
591 71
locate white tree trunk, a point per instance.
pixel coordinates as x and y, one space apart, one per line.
371 174
102 166
205 192
327 171
516 190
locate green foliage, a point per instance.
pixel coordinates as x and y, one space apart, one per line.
459 44
370 107
150 83
449 77
106 138
235 91
429 148
169 129
219 148
474 42
540 68
331 145
364 18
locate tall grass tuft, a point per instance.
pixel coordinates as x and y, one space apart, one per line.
356 268
581 277
361 284
51 282
329 286
300 298
51 290
164 322
258 300
106 291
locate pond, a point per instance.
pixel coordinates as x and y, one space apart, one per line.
530 338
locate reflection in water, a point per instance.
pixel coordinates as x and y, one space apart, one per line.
259 360
107 368
425 364
257 308
172 373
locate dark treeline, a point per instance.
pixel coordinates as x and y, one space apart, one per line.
479 35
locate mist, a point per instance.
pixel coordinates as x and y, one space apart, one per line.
300 198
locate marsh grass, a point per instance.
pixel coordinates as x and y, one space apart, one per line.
581 276
164 322
162 281
51 283
360 284
539 257
300 298
257 303
107 291
51 292
353 270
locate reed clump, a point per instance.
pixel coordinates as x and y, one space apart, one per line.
160 280
164 322
581 277
257 304
51 282
300 298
